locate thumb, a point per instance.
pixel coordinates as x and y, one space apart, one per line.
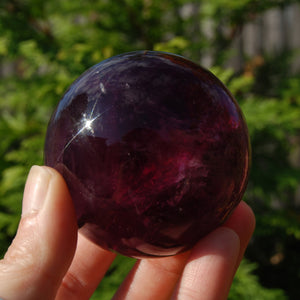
43 248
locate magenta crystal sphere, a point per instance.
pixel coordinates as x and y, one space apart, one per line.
154 150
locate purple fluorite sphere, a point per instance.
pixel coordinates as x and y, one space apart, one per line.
154 150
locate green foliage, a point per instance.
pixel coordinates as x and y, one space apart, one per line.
246 287
45 45
115 275
175 45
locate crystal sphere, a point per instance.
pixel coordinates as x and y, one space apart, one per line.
154 150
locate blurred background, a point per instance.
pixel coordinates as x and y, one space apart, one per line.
252 46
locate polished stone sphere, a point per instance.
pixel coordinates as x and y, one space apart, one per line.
154 150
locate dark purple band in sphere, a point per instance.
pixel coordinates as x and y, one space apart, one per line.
154 150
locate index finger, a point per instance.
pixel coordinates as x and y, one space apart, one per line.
214 260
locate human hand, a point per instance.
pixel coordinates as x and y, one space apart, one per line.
48 259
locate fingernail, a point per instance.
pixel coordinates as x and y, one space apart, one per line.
36 189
